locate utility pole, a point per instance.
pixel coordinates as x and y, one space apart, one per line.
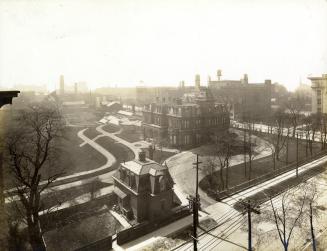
287 137
250 209
195 204
297 155
250 228
196 164
312 230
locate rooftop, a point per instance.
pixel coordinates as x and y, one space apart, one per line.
144 167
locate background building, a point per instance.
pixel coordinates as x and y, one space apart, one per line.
245 100
319 94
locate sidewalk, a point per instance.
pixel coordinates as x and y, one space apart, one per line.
131 146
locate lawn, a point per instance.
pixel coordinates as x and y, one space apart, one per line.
82 229
121 152
91 133
131 135
71 157
111 128
260 167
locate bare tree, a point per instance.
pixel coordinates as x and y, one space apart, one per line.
315 120
279 139
223 153
32 153
323 131
294 107
288 216
209 168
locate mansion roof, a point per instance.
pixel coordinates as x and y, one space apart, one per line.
144 167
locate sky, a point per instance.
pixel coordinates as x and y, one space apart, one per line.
160 42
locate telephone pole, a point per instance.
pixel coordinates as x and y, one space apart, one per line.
297 155
250 209
195 204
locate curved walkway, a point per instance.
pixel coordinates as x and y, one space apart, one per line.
131 146
111 160
182 169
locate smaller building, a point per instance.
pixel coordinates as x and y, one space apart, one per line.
144 189
319 93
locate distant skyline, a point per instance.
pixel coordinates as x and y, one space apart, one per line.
121 43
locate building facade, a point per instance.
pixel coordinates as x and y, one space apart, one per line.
319 94
246 100
144 189
187 122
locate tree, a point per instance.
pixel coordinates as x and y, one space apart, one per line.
32 153
286 217
209 168
323 131
278 140
224 146
294 107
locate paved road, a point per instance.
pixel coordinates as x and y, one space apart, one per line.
265 128
224 212
182 170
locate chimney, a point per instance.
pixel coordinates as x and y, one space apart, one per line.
197 81
219 75
245 79
142 156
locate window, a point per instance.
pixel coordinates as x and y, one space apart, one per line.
132 179
162 182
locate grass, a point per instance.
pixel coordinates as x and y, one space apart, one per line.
131 135
121 152
82 229
74 158
91 133
111 128
71 157
260 167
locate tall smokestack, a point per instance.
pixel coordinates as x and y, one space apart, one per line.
62 85
219 74
75 89
197 81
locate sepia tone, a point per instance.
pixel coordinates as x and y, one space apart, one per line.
163 125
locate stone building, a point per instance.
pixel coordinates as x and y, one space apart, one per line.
193 120
246 100
144 189
319 94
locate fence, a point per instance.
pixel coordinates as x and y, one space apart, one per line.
147 227
101 245
268 176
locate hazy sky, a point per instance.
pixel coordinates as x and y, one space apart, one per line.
161 42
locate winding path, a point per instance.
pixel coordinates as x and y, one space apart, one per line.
131 146
181 169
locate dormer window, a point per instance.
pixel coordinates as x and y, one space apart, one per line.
133 181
